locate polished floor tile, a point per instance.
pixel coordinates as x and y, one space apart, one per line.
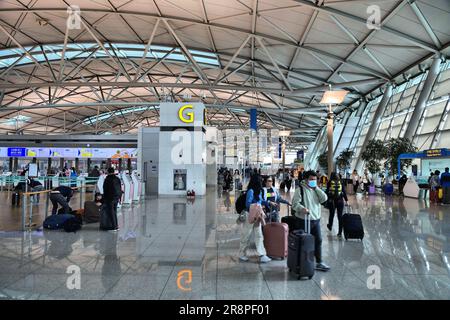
170 248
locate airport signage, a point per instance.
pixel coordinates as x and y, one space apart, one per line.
436 152
16 152
175 114
69 153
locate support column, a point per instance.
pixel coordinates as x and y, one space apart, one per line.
374 124
129 165
283 150
49 165
361 108
77 164
15 164
89 161
108 163
330 125
120 165
10 168
433 72
61 164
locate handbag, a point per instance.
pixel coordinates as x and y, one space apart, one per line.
256 214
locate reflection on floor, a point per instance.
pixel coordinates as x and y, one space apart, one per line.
170 248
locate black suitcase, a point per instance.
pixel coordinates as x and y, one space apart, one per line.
292 221
300 258
16 199
353 227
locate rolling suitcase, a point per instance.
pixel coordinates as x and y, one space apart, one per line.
276 239
301 252
372 189
388 189
16 199
352 223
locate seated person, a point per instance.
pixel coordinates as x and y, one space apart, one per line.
273 199
61 195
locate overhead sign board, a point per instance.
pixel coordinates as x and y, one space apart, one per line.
69 153
174 114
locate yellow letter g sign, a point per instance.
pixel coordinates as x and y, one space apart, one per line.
190 115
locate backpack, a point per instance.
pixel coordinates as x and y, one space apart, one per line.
303 199
72 225
240 202
56 221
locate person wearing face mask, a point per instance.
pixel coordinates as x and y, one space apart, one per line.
309 203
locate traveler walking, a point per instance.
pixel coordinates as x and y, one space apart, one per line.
337 198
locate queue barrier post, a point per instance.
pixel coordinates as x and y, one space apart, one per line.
24 210
47 203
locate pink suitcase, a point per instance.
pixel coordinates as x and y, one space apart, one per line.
276 239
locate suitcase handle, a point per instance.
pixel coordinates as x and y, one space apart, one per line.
348 209
308 224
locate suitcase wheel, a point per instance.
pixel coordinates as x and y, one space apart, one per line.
310 277
299 277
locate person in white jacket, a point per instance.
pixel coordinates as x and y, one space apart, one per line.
307 201
100 181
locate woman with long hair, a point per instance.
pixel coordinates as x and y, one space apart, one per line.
254 196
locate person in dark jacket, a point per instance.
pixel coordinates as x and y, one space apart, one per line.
401 184
95 173
61 195
445 183
336 197
35 186
112 191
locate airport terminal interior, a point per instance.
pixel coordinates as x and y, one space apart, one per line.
156 149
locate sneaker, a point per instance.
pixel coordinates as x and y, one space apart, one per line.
243 258
114 230
322 267
339 235
329 227
264 259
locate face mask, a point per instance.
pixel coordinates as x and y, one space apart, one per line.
312 183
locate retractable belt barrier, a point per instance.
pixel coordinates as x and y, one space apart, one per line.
27 205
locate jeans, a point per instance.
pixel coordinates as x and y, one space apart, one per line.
315 231
57 198
332 206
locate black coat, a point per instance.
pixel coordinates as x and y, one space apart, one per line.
112 188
